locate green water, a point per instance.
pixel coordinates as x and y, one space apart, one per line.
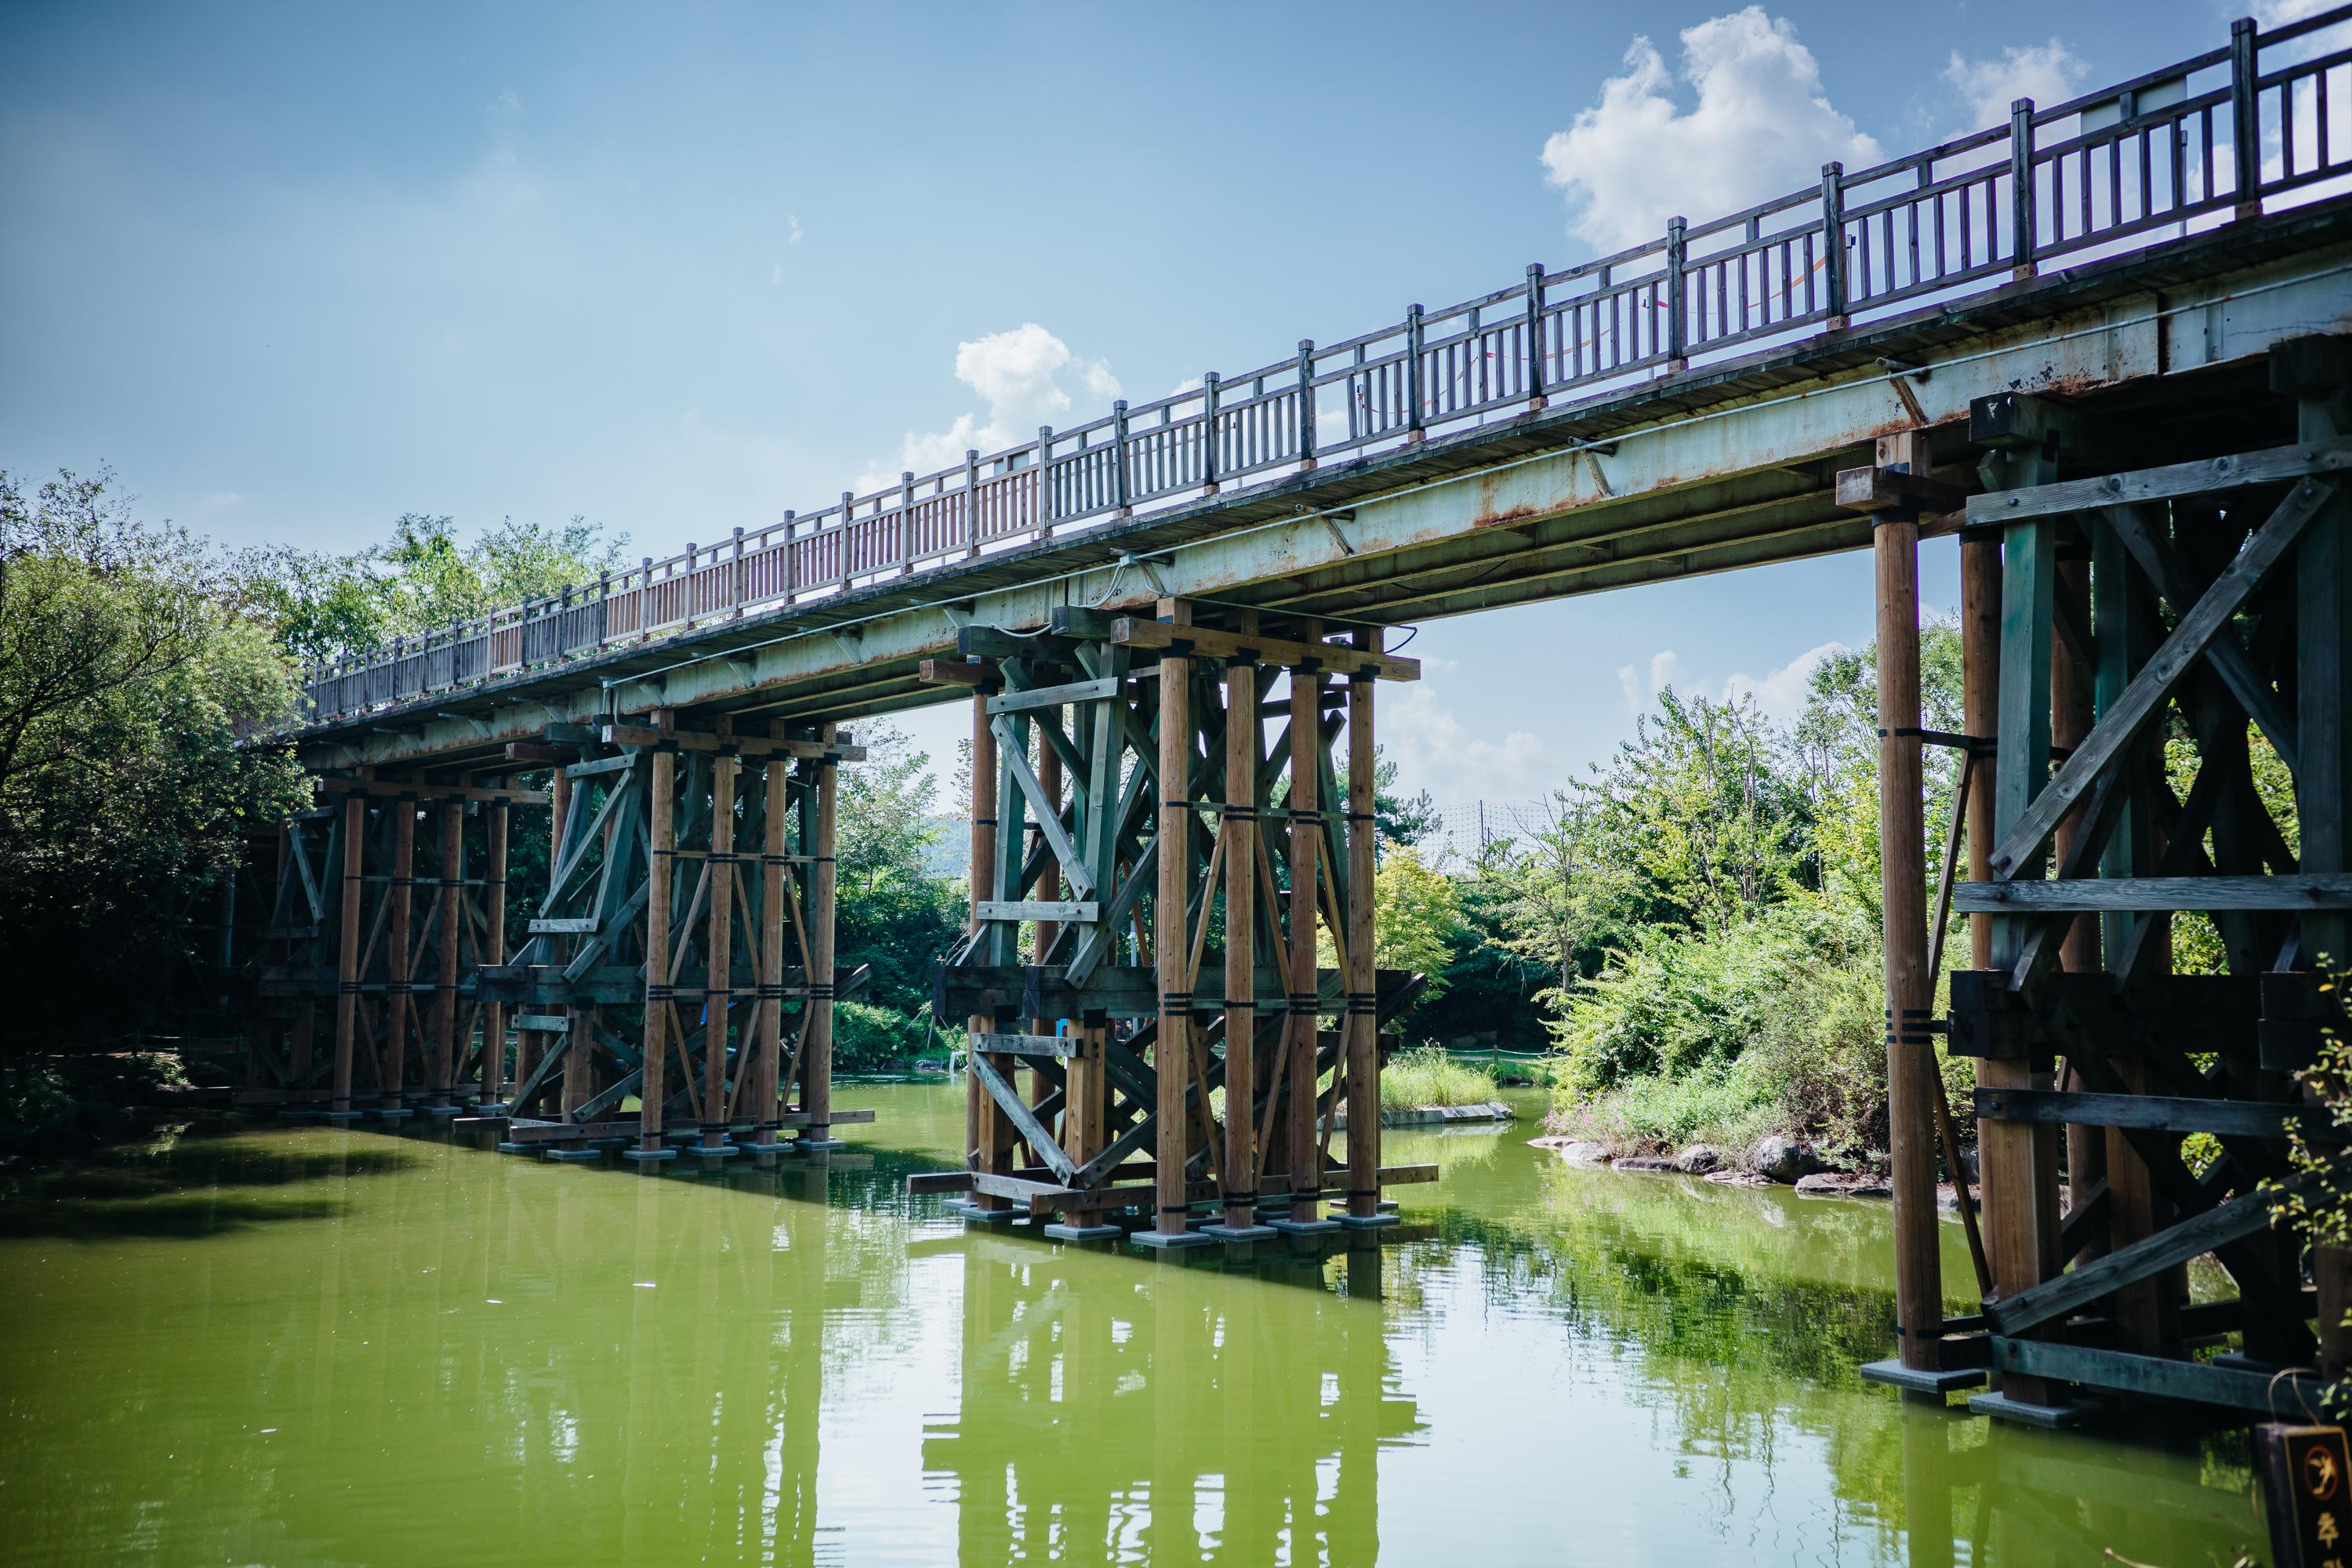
305 1346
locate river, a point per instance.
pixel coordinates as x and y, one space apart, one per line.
299 1345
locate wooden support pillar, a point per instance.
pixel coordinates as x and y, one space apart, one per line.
1048 764
2317 373
2070 722
984 1136
717 984
764 1092
1302 1146
579 1057
1240 830
444 977
1173 1053
494 950
1980 704
1903 888
2016 1158
347 952
661 863
1361 1026
398 1004
816 1067
2123 628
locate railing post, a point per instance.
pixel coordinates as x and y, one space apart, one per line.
792 560
735 576
1209 386
563 624
1045 481
1122 506
1536 399
689 584
1413 430
1833 242
2246 116
848 505
604 607
1305 404
970 501
644 598
906 521
2021 206
1677 322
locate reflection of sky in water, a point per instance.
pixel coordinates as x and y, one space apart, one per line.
313 1346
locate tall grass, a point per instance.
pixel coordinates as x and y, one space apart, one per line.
1427 1076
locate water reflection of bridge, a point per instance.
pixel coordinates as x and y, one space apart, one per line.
1163 1421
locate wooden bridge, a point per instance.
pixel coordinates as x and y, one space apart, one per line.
2103 349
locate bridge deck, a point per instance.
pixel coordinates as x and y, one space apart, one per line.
1719 467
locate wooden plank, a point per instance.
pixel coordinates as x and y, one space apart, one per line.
2227 1118
1407 1175
2140 703
1877 489
922 1182
1054 695
1061 1047
601 766
1017 1112
584 925
2203 477
956 672
394 790
2196 1381
2193 1237
741 745
1060 910
1015 760
2094 894
1136 632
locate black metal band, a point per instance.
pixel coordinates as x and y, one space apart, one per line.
1241 813
1361 816
659 993
818 993
1235 1200
1241 1006
983 822
769 992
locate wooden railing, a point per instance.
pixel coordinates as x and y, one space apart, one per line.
2194 145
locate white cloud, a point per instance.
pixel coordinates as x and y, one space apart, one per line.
2046 73
792 221
220 501
1664 666
1761 126
1780 695
1020 375
1435 752
508 105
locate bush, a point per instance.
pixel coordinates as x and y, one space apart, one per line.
1774 1025
868 1038
1427 1076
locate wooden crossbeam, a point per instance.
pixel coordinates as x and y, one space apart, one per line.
2088 895
1133 631
1054 695
1022 1116
741 745
2143 700
2277 1394
392 790
2241 1217
2166 1113
2272 465
1060 910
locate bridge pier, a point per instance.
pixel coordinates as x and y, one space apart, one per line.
345 927
687 924
2150 970
1156 728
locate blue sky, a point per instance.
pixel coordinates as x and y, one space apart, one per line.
293 270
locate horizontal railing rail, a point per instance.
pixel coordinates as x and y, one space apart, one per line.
2197 144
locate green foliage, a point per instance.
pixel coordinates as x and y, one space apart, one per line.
868 1038
1416 918
891 913
1427 1076
425 578
128 674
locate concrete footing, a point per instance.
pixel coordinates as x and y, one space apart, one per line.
2001 1407
1058 1232
1913 1380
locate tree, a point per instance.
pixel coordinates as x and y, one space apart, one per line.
128 679
890 913
424 580
1416 918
